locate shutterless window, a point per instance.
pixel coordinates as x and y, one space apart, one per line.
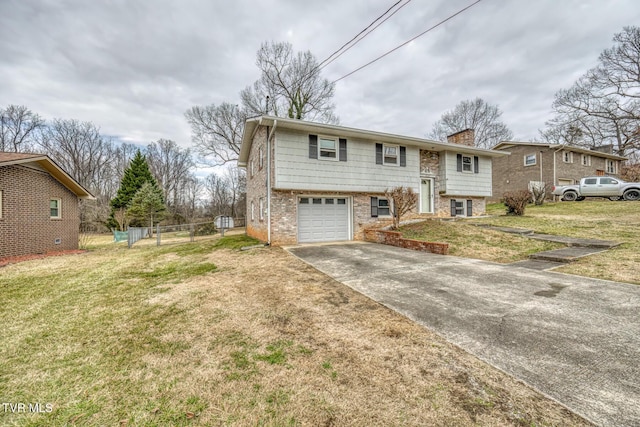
252 211
328 149
54 208
261 206
586 160
391 154
611 166
530 160
260 158
567 156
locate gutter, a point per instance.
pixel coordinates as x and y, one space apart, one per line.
554 169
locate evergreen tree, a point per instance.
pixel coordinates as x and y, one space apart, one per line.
147 204
135 176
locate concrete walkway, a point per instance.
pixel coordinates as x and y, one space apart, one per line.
574 339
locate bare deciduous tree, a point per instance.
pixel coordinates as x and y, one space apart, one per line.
18 128
404 199
216 131
170 165
293 85
477 114
603 106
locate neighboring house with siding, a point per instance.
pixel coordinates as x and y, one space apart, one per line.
38 206
554 164
310 182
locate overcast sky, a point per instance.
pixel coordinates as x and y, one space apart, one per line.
134 67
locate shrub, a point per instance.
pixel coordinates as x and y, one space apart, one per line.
403 200
516 201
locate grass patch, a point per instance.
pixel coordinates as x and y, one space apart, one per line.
235 242
469 241
200 334
618 221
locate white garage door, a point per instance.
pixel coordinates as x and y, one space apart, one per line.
323 219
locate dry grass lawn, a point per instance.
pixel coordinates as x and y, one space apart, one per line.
594 219
203 334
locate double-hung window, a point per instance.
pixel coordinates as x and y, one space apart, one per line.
611 166
567 157
328 148
390 154
586 160
467 164
54 209
380 207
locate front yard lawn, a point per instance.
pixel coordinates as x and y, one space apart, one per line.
202 334
607 220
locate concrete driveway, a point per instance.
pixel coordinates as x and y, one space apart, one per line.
574 339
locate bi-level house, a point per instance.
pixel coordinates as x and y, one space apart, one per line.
313 182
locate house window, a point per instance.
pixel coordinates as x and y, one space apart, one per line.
390 154
530 160
54 209
261 208
251 170
328 148
567 156
304 200
252 211
611 166
467 164
586 160
461 207
260 158
380 207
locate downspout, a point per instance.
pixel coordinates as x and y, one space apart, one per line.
270 135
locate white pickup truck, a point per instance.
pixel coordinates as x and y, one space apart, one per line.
599 186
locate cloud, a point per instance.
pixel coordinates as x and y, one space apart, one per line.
134 67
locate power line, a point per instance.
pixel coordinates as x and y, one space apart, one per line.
408 41
366 32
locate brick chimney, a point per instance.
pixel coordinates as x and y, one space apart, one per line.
464 137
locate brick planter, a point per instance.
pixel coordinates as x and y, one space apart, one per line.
394 238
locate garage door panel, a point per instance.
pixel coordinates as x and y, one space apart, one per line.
323 219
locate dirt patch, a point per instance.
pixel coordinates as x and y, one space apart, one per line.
16 259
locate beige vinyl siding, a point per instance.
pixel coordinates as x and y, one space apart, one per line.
294 170
465 183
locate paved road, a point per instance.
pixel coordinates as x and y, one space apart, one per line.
575 339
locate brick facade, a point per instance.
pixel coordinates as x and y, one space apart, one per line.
25 224
511 174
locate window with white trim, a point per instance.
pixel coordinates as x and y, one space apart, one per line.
567 156
251 169
611 166
529 159
328 148
55 208
467 163
252 211
585 160
261 208
260 158
390 154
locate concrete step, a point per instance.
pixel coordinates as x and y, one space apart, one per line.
565 255
575 242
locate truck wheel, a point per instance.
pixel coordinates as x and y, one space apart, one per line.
570 196
632 194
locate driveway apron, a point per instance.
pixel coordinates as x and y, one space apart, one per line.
575 339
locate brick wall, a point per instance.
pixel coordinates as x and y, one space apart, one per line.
510 173
257 186
26 226
394 238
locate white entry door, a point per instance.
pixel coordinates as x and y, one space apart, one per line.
426 195
323 219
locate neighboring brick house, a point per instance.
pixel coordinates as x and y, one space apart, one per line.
552 164
311 182
38 206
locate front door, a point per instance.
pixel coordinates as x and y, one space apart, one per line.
426 195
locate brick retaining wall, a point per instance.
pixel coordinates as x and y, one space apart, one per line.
394 238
